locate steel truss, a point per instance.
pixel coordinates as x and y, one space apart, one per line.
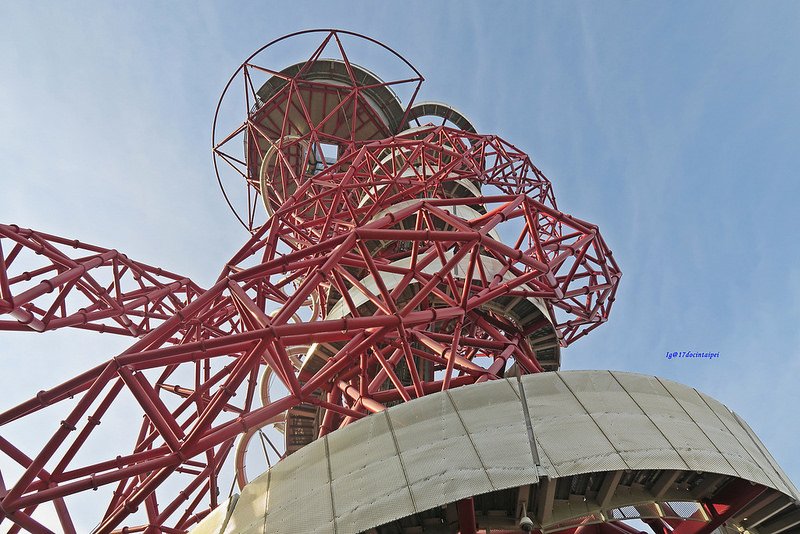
412 263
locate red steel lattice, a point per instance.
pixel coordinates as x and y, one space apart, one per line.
396 261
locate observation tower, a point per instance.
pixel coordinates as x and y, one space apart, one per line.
390 334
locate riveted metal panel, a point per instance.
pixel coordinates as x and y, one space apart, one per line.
712 428
438 456
493 416
367 474
300 492
760 468
569 436
248 514
631 432
475 439
672 420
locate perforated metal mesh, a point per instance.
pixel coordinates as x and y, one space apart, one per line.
476 439
437 454
757 465
781 475
214 522
625 512
367 470
500 441
684 510
673 422
248 514
298 487
648 510
569 436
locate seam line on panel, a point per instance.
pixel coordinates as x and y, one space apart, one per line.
469 437
585 409
330 482
728 428
761 448
697 424
266 507
541 469
528 424
400 458
666 438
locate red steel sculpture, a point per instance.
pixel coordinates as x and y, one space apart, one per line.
399 258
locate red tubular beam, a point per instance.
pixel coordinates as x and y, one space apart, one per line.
384 234
330 417
130 505
734 497
453 358
491 293
28 523
381 376
311 283
517 254
171 325
226 431
60 435
121 462
149 401
498 364
92 482
47 286
130 307
93 421
302 331
434 281
6 300
401 281
279 264
221 398
387 370
26 318
64 517
337 408
358 343
466 516
367 402
427 388
184 495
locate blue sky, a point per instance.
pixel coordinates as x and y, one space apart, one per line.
674 127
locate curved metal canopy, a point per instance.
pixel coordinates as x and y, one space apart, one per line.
639 442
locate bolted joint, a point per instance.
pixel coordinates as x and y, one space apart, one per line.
68 426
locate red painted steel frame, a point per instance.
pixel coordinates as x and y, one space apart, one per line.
387 261
91 287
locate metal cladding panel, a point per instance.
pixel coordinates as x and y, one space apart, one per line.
790 489
214 521
366 469
682 432
248 514
734 454
437 454
759 464
631 432
471 440
300 496
493 416
569 436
